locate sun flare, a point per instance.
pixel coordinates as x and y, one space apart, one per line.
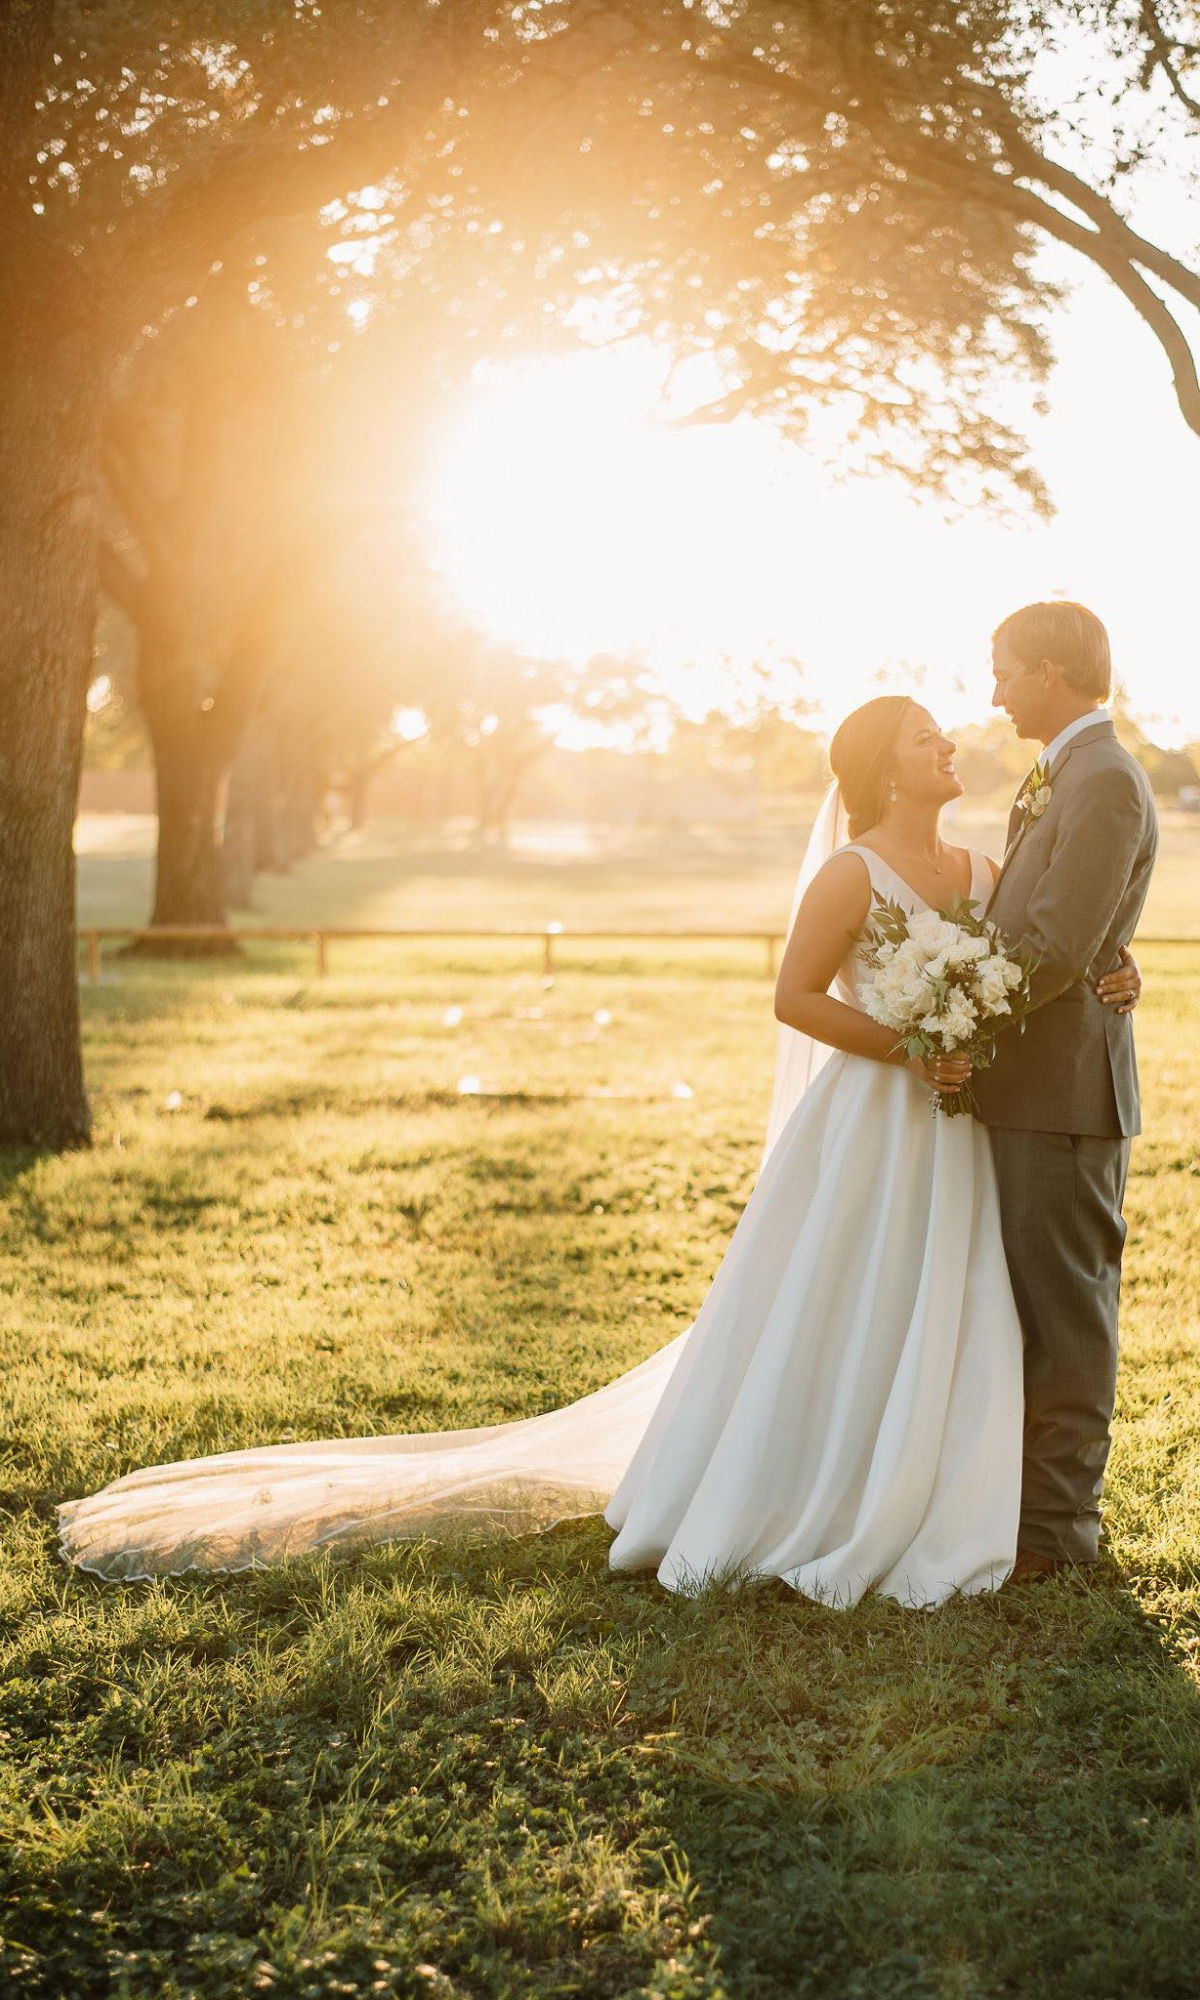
573 514
574 518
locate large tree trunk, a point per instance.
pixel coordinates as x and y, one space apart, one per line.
255 833
190 767
298 817
49 439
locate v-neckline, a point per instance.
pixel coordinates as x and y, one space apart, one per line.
906 884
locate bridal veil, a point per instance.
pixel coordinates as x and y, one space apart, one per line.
246 1509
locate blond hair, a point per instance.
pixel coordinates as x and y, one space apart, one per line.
1068 634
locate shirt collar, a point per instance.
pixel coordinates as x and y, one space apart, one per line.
1081 722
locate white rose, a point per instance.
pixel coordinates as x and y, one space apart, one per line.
967 950
901 984
877 1006
913 995
883 1002
958 1020
930 932
991 985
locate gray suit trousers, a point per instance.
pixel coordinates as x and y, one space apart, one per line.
1060 1210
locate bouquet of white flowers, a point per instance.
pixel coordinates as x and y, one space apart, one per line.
943 982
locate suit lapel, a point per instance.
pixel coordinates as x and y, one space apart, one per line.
1014 841
1017 823
1015 833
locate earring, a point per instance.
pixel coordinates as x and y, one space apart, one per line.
893 794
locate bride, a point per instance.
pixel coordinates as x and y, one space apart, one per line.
845 1413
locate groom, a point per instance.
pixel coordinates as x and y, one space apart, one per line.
1061 1100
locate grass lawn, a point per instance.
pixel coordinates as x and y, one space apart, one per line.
497 1769
710 877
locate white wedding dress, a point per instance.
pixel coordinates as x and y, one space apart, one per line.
845 1412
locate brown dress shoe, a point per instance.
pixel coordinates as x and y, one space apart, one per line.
1031 1567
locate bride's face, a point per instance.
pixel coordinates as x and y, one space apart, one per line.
924 761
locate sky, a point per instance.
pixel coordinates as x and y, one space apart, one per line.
569 523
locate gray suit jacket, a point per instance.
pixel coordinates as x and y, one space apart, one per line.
1071 889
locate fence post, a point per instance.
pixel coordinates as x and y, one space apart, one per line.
94 947
769 942
548 936
320 941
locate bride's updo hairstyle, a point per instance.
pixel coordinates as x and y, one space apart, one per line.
860 758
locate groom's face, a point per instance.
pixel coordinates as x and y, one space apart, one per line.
1021 691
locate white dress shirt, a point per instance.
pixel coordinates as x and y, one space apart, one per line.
1081 722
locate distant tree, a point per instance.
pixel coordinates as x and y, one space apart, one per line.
135 149
375 750
990 758
115 738
762 740
218 523
492 727
362 668
620 696
1169 771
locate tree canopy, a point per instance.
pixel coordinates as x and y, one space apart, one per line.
827 211
937 124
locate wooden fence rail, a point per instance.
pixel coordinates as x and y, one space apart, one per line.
94 936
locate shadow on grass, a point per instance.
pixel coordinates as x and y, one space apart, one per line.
503 1764
21 1165
998 1797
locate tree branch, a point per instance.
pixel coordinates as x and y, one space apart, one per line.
1029 164
253 179
1165 51
1026 161
1108 252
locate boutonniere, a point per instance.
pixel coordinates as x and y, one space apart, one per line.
1035 793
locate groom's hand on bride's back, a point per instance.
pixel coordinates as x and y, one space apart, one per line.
1122 987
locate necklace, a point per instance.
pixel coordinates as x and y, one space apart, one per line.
907 854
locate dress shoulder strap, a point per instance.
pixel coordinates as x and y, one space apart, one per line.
866 856
982 880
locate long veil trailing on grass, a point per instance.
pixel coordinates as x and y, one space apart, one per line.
246 1509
